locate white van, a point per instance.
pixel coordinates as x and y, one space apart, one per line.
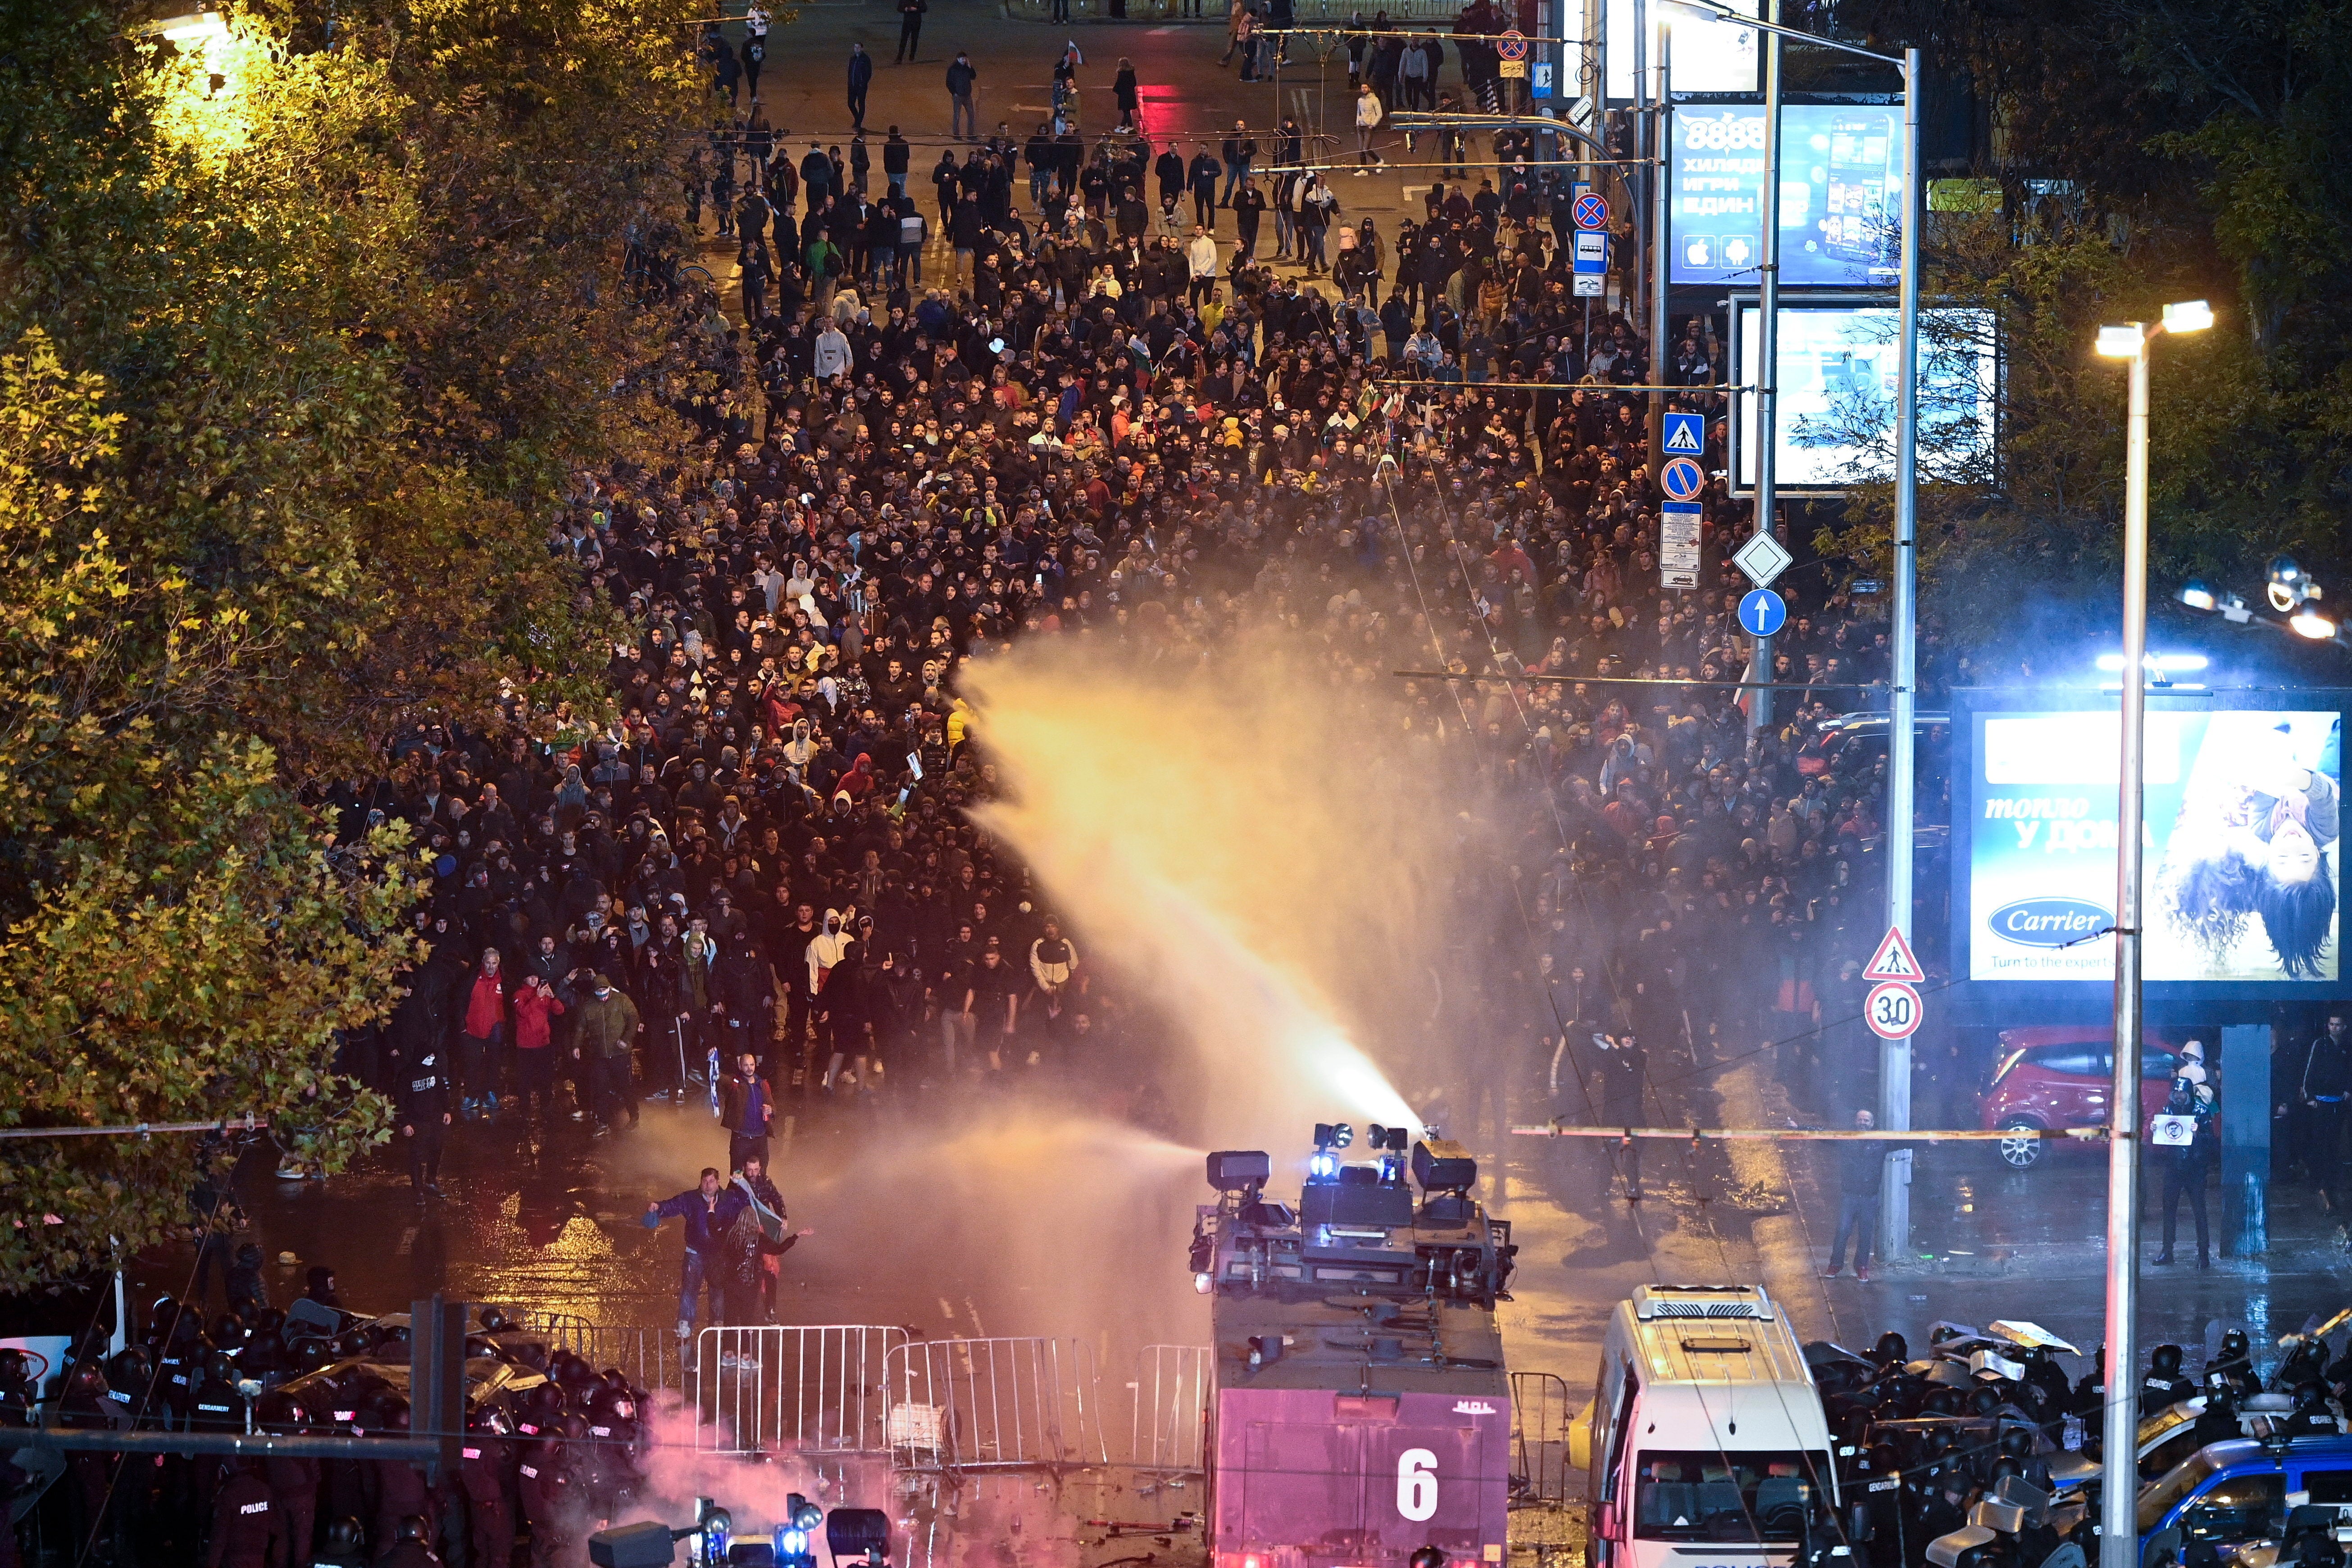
1704 1441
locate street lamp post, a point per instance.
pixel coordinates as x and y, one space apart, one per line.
2120 1487
1895 1056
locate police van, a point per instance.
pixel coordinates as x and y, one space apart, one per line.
1704 1443
2238 1496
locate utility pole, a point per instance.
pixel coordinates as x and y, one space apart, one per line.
1660 263
1895 1056
1768 349
1645 132
1593 81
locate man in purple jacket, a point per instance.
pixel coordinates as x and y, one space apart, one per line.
708 1210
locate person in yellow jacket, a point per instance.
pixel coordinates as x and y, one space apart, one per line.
961 722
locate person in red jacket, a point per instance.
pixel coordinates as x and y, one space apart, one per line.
482 1035
537 1005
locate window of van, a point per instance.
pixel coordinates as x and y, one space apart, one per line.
2242 1508
1710 1495
1621 1433
2157 1499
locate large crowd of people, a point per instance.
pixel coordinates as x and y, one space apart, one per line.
1113 419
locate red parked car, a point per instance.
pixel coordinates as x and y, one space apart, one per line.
2059 1077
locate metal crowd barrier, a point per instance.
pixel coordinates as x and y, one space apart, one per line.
1540 1413
1172 1386
648 1357
992 1404
814 1389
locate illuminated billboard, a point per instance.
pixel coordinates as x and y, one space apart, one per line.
1835 425
1704 56
1841 193
2242 847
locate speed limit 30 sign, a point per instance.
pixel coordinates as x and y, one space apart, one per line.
1892 1010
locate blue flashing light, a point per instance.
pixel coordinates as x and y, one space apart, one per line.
791 1543
1322 1167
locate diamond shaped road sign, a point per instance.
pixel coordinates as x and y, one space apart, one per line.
1762 559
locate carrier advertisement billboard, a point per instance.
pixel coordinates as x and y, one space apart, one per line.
1841 193
2241 848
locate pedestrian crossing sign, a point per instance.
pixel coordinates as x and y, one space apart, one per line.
1894 960
1685 434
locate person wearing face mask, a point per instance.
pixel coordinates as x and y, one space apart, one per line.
601 1042
2188 1166
423 1116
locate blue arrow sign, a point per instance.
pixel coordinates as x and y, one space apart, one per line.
1762 613
1685 435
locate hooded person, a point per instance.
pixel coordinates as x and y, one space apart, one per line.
826 951
802 748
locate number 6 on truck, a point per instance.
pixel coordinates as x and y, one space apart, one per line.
1417 1484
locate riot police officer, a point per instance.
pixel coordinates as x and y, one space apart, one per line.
293 1482
218 1405
2236 1364
482 1482
2314 1413
179 1361
2164 1384
410 1548
248 1530
346 1546
1882 1509
2304 1362
401 1490
89 1404
542 1483
134 1384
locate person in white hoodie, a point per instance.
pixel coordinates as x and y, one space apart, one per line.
1054 966
833 355
803 748
1369 115
826 951
1201 255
